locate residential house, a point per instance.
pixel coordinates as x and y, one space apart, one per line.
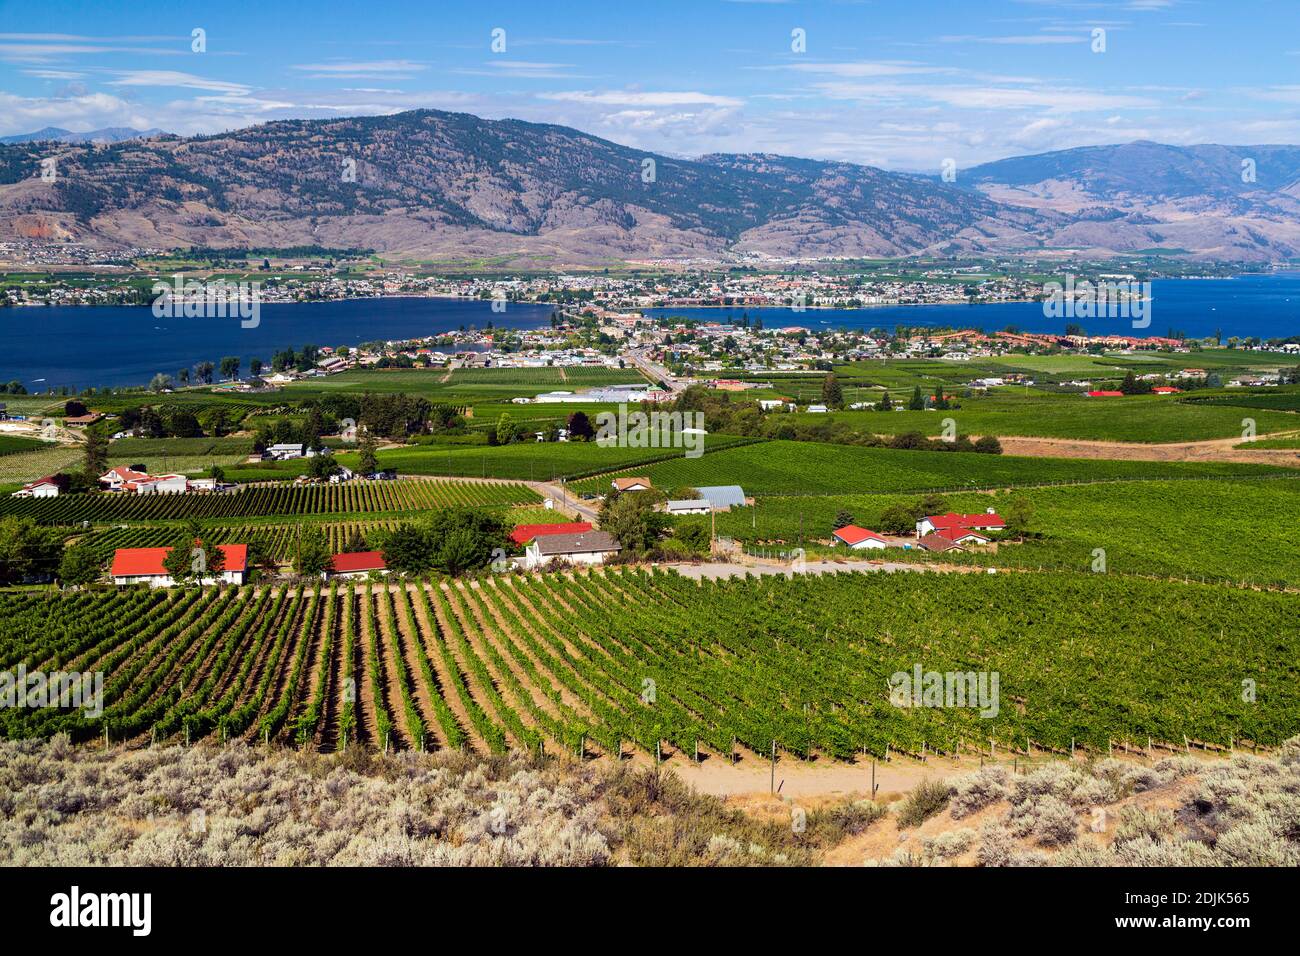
524 533
591 547
47 487
145 566
159 485
859 539
631 484
358 564
118 478
990 520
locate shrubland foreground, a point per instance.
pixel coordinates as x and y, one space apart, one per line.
630 661
240 806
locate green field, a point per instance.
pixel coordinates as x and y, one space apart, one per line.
814 468
1010 411
1218 528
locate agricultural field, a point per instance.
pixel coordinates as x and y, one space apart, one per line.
1010 411
24 466
465 385
13 444
815 468
654 662
258 501
1219 529
179 455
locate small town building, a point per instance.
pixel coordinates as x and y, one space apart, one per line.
687 506
987 521
590 547
47 487
637 483
145 566
358 564
859 539
524 533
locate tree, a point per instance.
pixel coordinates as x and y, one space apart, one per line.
940 399
322 466
26 549
897 519
95 455
312 556
369 463
1017 514
988 445
203 372
230 367
506 431
74 408
580 427
183 376
885 404
189 560
160 383
217 473
843 518
255 366
633 520
1132 386
917 403
80 565
832 392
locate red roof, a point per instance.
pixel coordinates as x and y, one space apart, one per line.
958 534
137 562
852 534
47 480
1105 394
1165 389
952 520
359 561
125 473
526 532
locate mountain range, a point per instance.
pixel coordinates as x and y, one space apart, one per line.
435 185
109 134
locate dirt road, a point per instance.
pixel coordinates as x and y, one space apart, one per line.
1219 449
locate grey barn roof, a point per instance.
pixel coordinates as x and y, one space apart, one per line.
549 544
723 496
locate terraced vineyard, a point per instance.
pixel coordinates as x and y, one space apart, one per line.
249 502
278 539
657 662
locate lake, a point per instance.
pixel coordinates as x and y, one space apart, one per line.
81 346
1267 306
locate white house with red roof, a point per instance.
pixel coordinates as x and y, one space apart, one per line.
989 520
145 566
357 564
118 478
47 487
859 539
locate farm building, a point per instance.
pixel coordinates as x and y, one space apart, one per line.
859 539
988 521
284 451
47 487
159 485
638 483
145 566
687 506
723 497
117 478
591 547
357 564
938 543
527 532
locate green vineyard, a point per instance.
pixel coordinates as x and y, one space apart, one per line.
263 501
658 662
278 540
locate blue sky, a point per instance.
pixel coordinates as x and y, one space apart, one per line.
902 85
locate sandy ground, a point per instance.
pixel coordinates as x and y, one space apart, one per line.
1220 449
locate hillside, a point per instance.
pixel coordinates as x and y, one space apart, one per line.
438 185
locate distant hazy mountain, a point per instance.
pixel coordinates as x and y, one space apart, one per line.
431 184
109 134
1227 201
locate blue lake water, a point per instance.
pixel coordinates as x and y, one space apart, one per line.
50 346
1267 306
82 346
